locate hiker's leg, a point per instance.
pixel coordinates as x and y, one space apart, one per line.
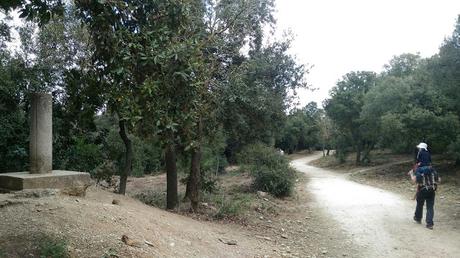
419 208
430 209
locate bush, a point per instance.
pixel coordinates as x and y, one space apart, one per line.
104 171
84 156
277 181
209 183
261 155
270 169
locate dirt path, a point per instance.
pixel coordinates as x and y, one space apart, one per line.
378 221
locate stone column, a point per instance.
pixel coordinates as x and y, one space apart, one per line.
41 134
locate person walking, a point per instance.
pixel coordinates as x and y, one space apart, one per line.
426 178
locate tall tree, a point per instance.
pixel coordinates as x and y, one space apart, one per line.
344 108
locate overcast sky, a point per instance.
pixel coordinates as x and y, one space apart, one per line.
339 36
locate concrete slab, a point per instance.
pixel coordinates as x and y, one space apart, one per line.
71 182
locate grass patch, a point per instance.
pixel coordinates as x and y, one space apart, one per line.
152 198
224 204
111 253
53 248
230 206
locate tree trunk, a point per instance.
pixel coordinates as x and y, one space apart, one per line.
171 176
193 183
367 152
327 153
358 155
128 157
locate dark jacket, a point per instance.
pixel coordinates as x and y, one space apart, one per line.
423 158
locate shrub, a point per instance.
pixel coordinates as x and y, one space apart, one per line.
104 171
84 156
208 183
270 169
261 155
277 181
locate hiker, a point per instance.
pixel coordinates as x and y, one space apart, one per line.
426 179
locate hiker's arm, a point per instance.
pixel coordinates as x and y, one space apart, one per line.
412 176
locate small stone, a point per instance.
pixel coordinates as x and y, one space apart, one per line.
116 202
262 194
172 244
324 252
125 239
284 236
264 238
148 243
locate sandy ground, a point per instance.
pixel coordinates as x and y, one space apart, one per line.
379 221
93 227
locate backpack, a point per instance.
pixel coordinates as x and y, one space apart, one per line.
426 178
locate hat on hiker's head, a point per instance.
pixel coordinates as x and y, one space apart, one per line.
422 145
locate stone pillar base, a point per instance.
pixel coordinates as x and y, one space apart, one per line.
70 182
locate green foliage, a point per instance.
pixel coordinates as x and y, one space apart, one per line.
84 156
208 183
104 171
53 248
270 169
254 100
259 154
344 108
406 108
301 130
111 253
277 181
147 152
454 150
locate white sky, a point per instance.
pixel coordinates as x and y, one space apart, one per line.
339 36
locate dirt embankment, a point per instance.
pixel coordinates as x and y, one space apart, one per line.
93 226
